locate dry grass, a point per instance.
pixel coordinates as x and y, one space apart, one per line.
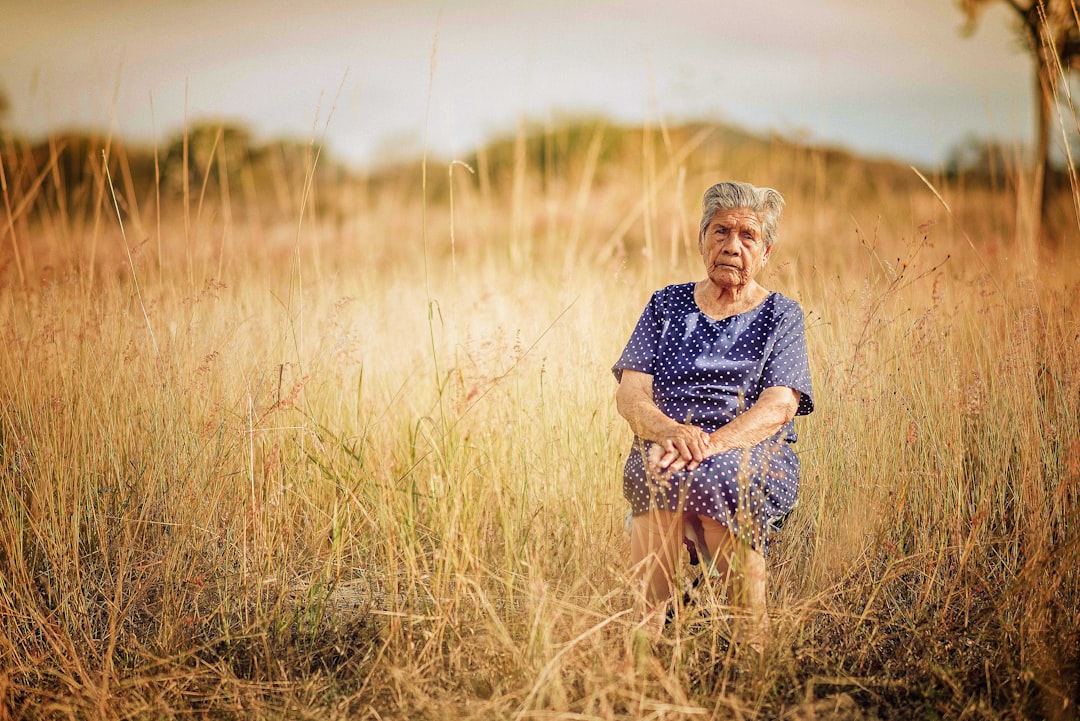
356 465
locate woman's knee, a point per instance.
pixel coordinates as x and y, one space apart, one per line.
718 537
656 533
656 524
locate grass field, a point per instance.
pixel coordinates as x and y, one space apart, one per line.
347 448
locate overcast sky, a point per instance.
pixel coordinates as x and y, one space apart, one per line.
888 77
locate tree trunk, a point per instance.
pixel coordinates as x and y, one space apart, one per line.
1043 119
1042 53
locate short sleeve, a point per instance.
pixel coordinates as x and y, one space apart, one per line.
641 349
787 363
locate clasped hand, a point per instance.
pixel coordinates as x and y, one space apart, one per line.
682 447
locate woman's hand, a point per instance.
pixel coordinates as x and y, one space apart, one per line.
679 447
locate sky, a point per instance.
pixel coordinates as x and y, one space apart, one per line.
374 78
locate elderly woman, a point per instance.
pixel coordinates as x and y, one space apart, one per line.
710 383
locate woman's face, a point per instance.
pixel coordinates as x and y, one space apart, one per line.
733 247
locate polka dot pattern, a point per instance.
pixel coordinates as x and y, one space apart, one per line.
707 372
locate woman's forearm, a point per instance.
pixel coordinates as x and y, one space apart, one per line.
680 443
775 407
646 420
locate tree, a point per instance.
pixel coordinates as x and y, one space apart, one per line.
206 147
975 155
1050 31
5 107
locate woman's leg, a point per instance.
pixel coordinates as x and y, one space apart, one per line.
655 541
743 574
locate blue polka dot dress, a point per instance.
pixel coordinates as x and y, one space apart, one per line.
706 372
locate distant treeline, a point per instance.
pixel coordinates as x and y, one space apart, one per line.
210 162
215 162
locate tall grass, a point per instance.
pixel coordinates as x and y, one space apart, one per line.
412 508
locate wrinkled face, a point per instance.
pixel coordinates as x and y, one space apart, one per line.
733 247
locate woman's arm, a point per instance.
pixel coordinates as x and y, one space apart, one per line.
774 407
635 403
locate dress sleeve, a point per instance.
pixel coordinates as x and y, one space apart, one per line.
640 351
787 364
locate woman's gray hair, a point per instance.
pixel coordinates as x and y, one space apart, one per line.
766 203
